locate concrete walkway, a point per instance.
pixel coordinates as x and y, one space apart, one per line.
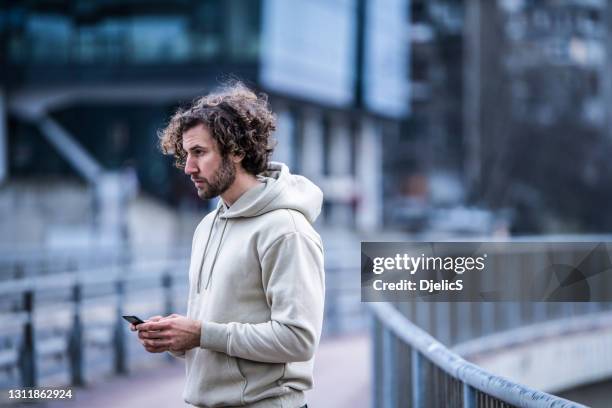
342 375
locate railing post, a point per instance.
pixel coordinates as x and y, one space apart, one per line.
469 396
389 365
169 303
28 345
75 347
487 318
376 361
167 285
332 320
464 321
418 379
19 270
422 315
443 328
119 337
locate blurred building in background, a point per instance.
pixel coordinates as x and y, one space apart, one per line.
452 116
537 91
85 86
429 189
510 116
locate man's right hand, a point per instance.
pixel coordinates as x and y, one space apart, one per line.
143 340
134 327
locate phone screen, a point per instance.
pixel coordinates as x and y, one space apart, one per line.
133 319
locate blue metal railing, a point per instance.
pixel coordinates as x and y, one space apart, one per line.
61 310
69 325
411 368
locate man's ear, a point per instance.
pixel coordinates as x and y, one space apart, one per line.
237 158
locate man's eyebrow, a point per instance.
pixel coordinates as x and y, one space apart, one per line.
196 147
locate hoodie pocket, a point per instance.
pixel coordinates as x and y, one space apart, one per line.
262 380
213 379
236 374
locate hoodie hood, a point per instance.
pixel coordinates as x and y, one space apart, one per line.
279 190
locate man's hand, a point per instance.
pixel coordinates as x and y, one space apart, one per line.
170 333
134 327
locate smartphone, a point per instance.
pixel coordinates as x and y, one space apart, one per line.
133 319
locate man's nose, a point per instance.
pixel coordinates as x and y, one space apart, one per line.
190 168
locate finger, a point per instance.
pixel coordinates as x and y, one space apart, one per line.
144 326
149 343
143 335
153 334
152 326
154 318
155 343
156 349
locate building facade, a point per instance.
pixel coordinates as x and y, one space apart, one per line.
84 88
513 98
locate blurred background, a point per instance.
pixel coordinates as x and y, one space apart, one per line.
419 119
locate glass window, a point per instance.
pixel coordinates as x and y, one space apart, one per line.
192 32
47 38
207 29
159 39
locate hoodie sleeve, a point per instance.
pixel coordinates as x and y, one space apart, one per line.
294 283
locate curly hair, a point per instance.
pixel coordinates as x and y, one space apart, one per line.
239 121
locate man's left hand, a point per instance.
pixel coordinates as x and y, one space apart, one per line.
171 333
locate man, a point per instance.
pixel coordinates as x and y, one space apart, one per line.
256 277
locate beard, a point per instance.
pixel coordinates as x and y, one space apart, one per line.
220 182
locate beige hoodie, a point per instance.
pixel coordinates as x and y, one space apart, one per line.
257 285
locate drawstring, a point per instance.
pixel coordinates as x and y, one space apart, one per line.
206 249
216 254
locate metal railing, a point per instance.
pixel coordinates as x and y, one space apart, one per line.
61 310
413 369
454 323
66 328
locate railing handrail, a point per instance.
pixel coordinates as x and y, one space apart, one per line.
546 238
93 276
34 253
32 297
450 362
534 332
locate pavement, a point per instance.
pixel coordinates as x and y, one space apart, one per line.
342 379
